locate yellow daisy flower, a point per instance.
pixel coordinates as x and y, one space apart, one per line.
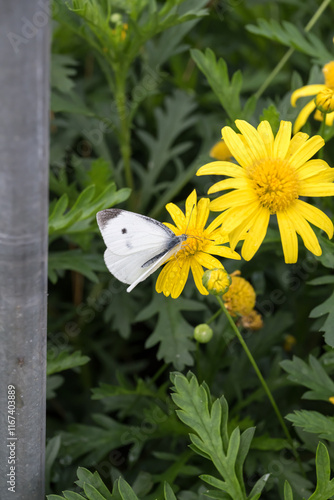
273 173
307 90
197 251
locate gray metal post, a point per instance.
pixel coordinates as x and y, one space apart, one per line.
24 82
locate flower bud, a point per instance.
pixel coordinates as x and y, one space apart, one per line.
203 333
216 281
324 100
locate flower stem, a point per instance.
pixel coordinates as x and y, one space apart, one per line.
289 53
263 382
124 124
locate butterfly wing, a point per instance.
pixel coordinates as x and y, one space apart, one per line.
136 245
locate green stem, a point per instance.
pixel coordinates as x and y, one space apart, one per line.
263 382
289 53
159 372
125 124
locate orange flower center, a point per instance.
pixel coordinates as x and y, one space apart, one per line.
275 182
328 71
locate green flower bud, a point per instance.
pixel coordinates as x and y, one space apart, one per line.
203 333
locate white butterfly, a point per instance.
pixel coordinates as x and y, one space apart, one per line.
136 245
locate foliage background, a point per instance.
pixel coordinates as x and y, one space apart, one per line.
135 111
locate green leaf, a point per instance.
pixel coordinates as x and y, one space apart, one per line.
327 307
92 484
126 491
271 114
94 442
265 442
172 120
327 256
69 103
51 452
85 207
62 71
75 260
288 495
325 486
65 361
255 494
227 91
52 383
171 331
168 492
71 495
244 445
310 375
108 390
288 34
92 493
204 418
313 421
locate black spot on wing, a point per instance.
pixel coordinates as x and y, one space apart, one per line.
105 215
124 230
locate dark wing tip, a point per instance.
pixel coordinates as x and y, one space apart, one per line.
105 215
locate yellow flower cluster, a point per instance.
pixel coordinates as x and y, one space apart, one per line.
270 178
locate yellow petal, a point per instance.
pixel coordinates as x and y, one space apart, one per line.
266 133
324 176
295 143
222 251
253 139
191 208
329 119
303 116
256 234
228 184
282 140
162 281
173 277
197 272
215 223
221 168
232 217
288 237
321 189
306 91
315 216
306 232
203 212
241 153
320 178
306 151
207 260
172 228
311 168
220 151
179 278
177 215
234 199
